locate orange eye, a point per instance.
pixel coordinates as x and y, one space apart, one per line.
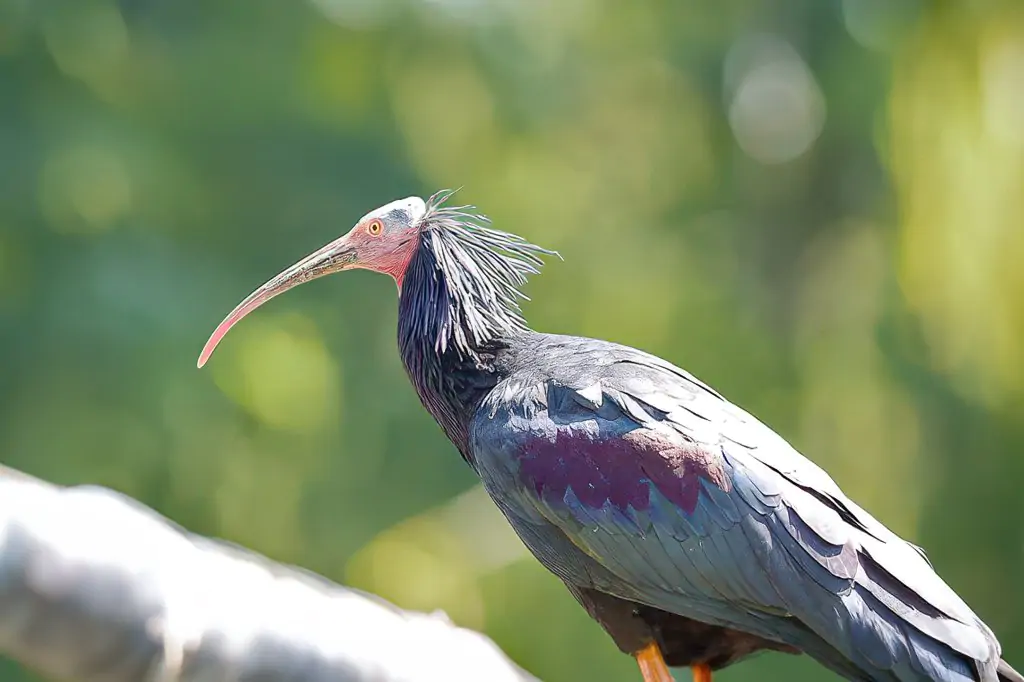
374 227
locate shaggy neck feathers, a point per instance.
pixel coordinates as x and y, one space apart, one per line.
459 304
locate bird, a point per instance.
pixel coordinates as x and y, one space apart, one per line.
690 531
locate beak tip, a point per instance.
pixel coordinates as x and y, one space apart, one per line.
204 356
214 341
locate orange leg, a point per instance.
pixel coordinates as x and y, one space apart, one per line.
652 664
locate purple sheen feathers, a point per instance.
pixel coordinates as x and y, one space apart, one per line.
619 469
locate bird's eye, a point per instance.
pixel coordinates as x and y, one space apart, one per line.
374 227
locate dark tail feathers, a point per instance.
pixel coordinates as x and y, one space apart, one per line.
1008 674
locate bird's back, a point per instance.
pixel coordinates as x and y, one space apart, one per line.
627 476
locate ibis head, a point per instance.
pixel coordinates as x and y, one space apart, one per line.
383 240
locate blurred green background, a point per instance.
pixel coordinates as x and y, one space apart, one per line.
814 206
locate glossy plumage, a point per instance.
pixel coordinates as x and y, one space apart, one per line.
670 514
627 476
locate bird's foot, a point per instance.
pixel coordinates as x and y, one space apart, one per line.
654 669
652 664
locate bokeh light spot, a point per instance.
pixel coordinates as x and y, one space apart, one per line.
88 38
1003 90
777 110
279 370
420 565
85 189
449 124
879 24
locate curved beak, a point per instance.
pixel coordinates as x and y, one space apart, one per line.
333 257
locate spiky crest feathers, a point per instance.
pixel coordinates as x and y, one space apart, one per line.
469 288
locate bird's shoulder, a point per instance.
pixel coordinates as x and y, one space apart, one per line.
581 382
577 361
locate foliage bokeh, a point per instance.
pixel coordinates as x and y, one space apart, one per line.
816 207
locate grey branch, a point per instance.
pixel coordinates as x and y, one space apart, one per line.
96 586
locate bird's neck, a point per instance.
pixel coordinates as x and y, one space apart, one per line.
451 364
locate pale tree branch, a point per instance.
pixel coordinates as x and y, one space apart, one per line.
94 586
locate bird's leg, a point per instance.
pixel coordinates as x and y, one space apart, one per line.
652 664
653 667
